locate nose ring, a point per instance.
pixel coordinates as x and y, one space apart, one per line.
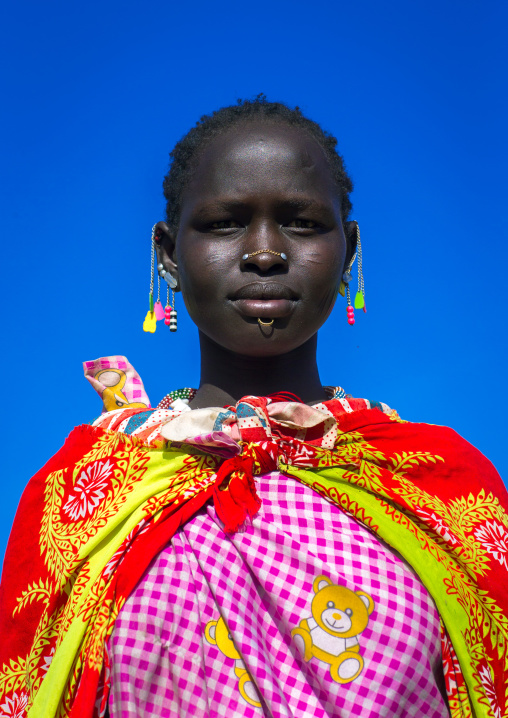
282 255
265 324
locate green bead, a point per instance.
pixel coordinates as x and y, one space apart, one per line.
151 302
185 393
359 301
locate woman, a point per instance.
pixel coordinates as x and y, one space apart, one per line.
264 545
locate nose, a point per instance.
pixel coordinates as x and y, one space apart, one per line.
264 260
336 616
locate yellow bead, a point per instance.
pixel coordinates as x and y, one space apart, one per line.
150 323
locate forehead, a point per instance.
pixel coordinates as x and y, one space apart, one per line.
262 158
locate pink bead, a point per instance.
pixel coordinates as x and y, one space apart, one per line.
166 322
159 311
350 310
351 320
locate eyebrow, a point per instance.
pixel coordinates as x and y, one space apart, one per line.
294 203
299 203
225 205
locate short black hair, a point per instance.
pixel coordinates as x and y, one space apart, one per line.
185 155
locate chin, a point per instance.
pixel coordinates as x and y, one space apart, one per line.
259 343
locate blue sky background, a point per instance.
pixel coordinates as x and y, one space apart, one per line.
97 93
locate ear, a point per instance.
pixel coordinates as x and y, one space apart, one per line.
210 632
350 232
369 603
320 582
166 250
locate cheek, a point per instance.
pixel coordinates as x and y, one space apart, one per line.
323 274
327 299
200 274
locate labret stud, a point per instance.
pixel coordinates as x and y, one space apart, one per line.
282 255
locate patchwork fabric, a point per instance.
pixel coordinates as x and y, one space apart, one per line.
169 657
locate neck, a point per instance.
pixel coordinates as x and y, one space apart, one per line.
227 377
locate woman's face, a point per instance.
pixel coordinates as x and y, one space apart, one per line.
260 186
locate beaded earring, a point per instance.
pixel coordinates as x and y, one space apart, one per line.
346 278
155 311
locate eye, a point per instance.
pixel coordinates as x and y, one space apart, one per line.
330 604
225 224
303 225
348 612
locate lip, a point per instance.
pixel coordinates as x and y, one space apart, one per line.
264 291
266 300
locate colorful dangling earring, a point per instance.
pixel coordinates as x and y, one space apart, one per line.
155 311
347 277
360 294
344 290
150 322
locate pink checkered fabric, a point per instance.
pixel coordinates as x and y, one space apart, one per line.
165 661
119 374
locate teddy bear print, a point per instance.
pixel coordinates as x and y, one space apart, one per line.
113 381
339 615
217 634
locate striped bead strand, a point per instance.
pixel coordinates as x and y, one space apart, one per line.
170 314
172 320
